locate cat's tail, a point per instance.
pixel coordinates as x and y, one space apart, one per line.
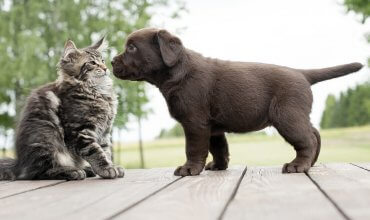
7 167
318 75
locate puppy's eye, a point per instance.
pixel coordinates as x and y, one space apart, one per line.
131 48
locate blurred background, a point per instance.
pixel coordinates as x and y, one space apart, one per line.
299 34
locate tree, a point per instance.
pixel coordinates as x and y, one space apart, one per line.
351 109
361 7
175 131
327 116
32 35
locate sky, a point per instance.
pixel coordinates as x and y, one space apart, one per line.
299 34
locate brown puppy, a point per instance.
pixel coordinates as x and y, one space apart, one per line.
210 97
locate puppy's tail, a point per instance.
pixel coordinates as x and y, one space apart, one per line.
7 167
318 75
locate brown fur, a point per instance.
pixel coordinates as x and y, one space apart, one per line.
210 97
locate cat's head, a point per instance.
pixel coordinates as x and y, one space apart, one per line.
85 64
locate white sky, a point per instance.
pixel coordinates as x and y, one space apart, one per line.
299 34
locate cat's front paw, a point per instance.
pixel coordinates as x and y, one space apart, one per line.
110 172
120 171
74 174
89 172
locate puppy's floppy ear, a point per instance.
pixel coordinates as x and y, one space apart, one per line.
170 47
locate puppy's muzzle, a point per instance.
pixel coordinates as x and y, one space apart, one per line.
117 65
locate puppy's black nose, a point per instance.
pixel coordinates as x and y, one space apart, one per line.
112 62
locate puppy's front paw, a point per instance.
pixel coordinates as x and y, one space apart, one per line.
110 172
294 167
214 166
189 169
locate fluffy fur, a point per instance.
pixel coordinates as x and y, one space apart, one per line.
65 129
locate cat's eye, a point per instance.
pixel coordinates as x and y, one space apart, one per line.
131 48
103 61
92 62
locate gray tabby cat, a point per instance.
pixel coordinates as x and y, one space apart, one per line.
65 129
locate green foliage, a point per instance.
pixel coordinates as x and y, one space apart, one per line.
32 36
351 109
175 131
328 112
359 6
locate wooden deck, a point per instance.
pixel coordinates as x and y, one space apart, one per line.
328 191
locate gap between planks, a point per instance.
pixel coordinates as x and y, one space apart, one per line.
266 193
320 183
108 197
336 206
362 166
25 190
347 187
202 197
142 200
232 196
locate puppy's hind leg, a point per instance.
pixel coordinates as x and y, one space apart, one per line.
220 153
318 144
296 129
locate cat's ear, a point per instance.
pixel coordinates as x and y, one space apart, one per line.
101 45
69 47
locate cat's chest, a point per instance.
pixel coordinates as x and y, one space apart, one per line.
88 109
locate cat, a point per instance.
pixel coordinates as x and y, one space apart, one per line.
65 129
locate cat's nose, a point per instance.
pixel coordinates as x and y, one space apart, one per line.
104 67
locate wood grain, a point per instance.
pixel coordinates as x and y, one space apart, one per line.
16 187
331 191
347 185
266 193
89 199
198 197
6 181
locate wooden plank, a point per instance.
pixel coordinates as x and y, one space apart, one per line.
266 193
2 182
197 197
16 187
347 185
89 199
365 166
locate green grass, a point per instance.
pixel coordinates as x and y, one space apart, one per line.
338 145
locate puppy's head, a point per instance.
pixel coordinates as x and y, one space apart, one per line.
147 52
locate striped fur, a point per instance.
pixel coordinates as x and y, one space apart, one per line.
65 129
